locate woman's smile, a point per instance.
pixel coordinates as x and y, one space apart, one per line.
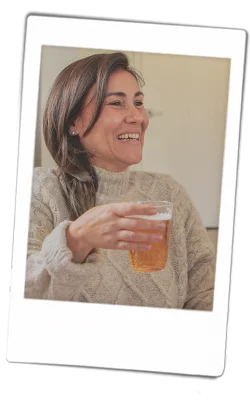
130 137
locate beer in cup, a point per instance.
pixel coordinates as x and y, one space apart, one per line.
154 259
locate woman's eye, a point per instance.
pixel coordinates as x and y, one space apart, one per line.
139 103
118 103
115 103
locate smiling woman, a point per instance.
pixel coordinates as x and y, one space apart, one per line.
116 139
92 208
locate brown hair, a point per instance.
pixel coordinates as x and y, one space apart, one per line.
65 103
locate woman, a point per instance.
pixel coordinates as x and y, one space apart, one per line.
79 237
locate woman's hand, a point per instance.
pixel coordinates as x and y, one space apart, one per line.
107 227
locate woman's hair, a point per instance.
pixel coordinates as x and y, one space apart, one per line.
65 103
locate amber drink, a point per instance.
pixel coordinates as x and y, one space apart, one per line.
154 259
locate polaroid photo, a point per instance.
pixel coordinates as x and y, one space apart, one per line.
114 112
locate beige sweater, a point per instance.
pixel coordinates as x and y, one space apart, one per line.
106 275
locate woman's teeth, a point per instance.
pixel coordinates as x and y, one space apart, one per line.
129 136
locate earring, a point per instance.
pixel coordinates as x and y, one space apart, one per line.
73 133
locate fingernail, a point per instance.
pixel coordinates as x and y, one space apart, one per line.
161 225
158 237
145 246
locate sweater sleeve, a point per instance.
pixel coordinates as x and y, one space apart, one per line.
50 273
201 262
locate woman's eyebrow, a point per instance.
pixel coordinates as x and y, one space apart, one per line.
122 94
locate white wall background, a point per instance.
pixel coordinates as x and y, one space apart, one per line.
185 138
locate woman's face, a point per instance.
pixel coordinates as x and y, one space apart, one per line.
116 140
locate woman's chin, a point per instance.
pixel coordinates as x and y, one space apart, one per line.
134 160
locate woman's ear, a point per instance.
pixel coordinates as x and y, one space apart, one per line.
76 127
72 130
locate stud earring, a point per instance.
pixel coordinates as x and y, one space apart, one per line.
73 133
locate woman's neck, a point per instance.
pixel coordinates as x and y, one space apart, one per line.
109 166
112 183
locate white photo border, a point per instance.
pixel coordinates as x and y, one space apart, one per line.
112 336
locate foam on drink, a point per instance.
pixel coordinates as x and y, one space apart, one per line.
156 217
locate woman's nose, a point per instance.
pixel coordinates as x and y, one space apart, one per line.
134 115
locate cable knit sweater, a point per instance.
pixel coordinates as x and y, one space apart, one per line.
106 276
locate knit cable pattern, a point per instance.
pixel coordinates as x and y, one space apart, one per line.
106 275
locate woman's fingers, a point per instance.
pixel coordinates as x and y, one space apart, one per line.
134 224
145 237
121 245
127 209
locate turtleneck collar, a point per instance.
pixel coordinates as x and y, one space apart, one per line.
112 183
